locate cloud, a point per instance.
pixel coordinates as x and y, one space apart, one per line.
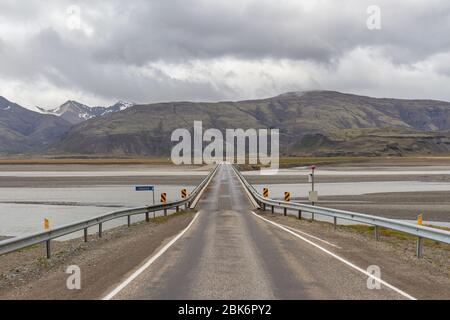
148 51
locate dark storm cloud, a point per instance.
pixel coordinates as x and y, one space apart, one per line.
179 29
168 50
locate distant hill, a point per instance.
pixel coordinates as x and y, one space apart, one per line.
310 123
22 130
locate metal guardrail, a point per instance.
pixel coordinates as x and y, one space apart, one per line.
421 232
14 244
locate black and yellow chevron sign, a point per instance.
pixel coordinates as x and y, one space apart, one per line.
265 192
183 193
163 197
287 196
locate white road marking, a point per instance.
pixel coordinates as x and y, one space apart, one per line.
150 261
311 236
406 295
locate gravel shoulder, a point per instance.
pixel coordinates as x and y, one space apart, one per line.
427 278
103 262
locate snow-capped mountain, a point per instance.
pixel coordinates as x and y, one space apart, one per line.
75 112
118 106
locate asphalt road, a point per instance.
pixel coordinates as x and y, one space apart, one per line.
229 253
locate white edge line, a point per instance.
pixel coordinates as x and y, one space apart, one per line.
149 262
339 258
257 206
311 236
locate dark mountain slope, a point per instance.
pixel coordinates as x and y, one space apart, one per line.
315 122
22 130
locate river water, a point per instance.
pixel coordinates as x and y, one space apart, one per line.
22 210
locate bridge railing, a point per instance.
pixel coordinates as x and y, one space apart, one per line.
14 244
421 232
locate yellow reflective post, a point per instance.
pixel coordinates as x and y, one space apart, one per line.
420 219
265 192
46 224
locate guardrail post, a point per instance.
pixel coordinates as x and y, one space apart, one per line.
419 247
377 234
85 234
128 220
273 209
48 249
285 212
178 208
99 230
335 222
147 217
165 212
264 207
299 214
312 216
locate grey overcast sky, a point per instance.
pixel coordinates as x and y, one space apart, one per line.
98 52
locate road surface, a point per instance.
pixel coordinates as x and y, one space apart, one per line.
230 253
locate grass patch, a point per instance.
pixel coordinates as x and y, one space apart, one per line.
385 233
32 247
42 262
437 227
393 235
163 219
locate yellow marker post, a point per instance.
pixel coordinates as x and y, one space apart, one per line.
420 219
265 192
183 193
46 224
287 196
163 197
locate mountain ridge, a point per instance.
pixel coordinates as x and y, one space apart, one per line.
313 122
76 112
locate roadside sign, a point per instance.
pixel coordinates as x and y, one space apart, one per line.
144 188
183 193
287 196
313 196
265 192
163 197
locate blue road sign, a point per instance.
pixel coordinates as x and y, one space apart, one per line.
144 188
